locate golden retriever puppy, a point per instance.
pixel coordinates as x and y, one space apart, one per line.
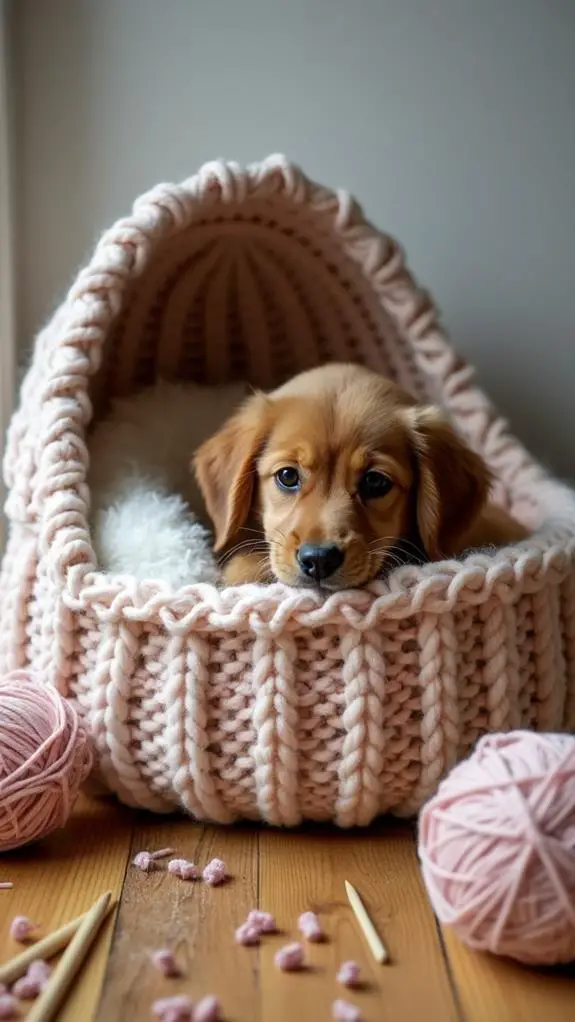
327 480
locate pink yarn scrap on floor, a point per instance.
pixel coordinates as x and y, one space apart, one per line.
32 984
144 861
9 1007
40 971
263 921
26 988
344 1011
348 974
207 1010
215 872
164 961
256 924
248 935
309 926
174 1009
22 928
184 869
290 958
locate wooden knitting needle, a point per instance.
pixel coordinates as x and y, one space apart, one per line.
44 948
61 979
376 945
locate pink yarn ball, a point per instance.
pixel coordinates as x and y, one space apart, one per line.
45 756
497 847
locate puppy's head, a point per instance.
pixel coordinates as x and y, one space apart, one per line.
336 467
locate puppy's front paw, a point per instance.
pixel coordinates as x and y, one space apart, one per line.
246 568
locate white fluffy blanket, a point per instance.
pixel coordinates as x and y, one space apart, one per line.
148 516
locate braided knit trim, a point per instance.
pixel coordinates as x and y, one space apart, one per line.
437 588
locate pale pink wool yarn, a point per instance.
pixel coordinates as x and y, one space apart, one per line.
497 847
45 756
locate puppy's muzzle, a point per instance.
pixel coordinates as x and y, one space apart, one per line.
319 561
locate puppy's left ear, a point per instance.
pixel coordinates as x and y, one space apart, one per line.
225 468
453 482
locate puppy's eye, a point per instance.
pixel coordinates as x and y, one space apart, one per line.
288 478
374 484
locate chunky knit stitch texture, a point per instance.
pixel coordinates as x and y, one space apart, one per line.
270 702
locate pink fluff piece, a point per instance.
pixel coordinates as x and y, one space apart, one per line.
46 757
215 872
164 961
207 1010
184 869
348 974
344 1011
22 928
290 958
248 935
511 803
9 1007
26 988
32 984
40 971
174 1009
144 861
6 885
309 926
264 922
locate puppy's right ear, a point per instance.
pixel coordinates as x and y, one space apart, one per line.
225 467
453 482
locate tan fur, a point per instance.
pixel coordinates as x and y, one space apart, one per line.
333 424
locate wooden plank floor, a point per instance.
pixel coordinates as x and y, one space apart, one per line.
430 977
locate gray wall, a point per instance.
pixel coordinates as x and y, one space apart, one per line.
452 120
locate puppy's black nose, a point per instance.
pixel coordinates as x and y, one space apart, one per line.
319 560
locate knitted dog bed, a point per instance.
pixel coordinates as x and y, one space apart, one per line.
268 702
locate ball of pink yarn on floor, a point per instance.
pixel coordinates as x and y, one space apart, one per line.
497 847
45 756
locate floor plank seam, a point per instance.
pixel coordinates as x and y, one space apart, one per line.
450 974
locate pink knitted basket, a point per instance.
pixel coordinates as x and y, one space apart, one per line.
267 702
